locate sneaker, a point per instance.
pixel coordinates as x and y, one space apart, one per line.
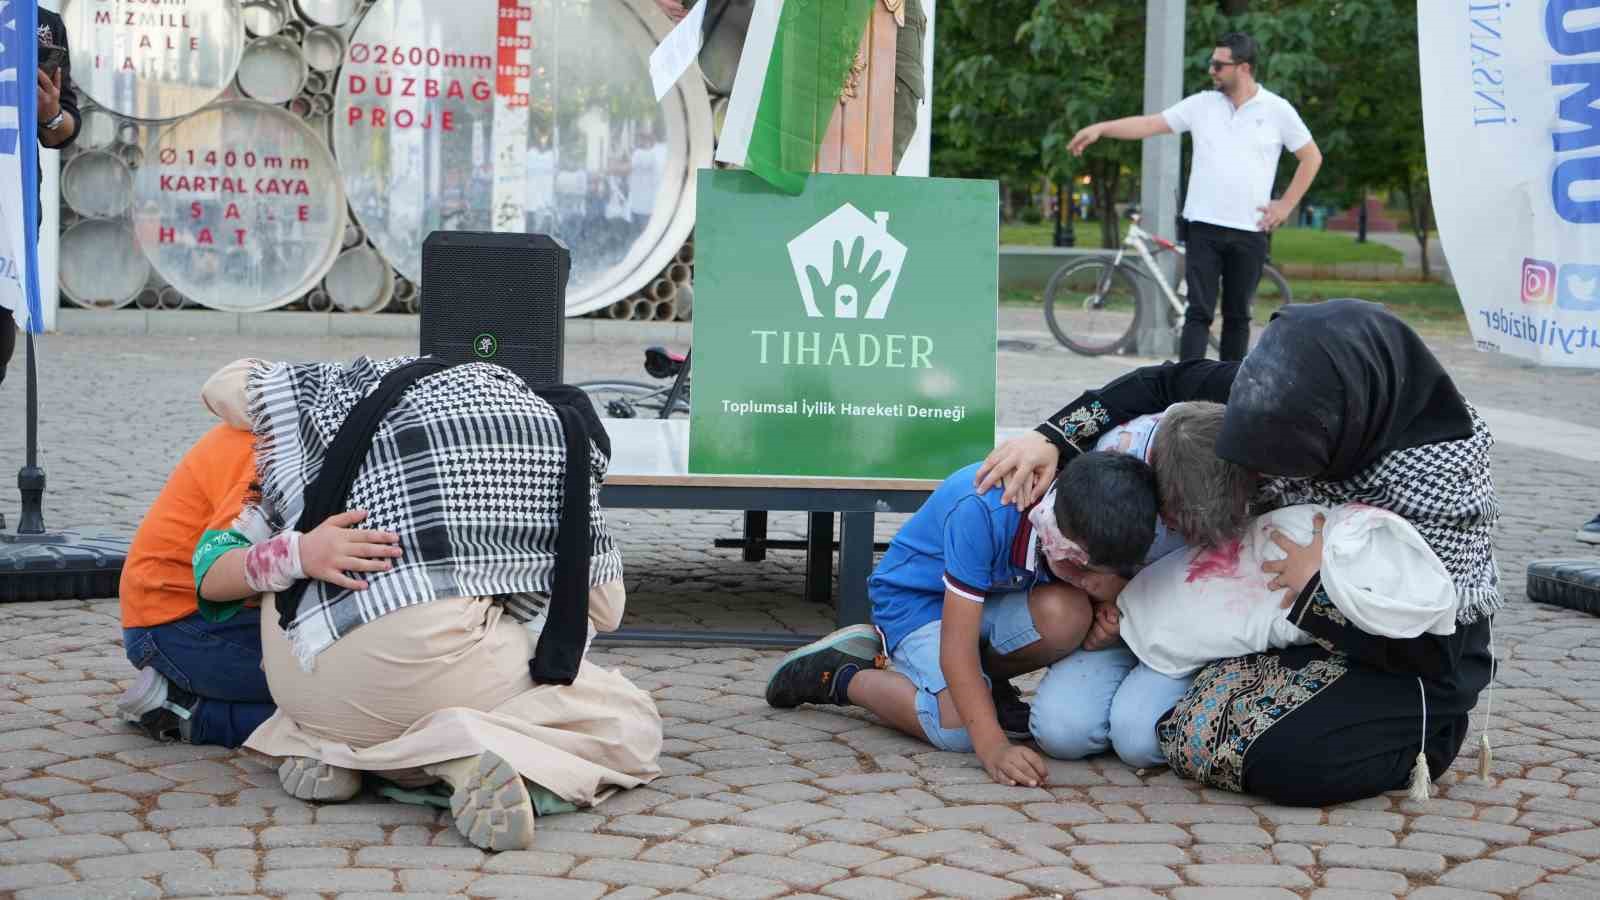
309 779
490 802
1590 532
158 707
1012 711
806 675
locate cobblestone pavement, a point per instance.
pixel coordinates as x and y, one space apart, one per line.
755 803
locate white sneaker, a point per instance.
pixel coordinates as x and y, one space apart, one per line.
490 803
158 707
310 779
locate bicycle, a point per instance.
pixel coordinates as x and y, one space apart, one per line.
619 399
1100 297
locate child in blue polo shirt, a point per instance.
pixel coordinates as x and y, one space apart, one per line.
965 600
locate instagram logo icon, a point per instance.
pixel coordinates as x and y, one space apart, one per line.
1538 281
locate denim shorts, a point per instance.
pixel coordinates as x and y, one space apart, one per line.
1007 626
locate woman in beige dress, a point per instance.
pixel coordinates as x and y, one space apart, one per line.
435 686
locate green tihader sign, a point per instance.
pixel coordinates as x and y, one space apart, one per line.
848 332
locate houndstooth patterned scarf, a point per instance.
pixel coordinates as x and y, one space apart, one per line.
467 468
1444 490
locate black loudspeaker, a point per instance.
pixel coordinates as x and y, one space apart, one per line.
496 297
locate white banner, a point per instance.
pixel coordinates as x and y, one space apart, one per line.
19 187
1514 161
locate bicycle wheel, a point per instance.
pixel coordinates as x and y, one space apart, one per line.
1092 307
630 399
1271 294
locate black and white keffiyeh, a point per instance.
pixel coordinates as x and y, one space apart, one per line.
467 468
1444 490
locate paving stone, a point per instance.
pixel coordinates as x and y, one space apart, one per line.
1230 834
1435 892
934 843
1485 831
99 889
976 815
684 853
1232 894
889 868
868 888
419 857
209 882
1538 856
836 854
443 882
786 816
1030 833
587 845
1133 834
100 801
761 775
97 823
45 788
321 836
1232 854
1323 835
797 873
1156 854
1583 843
375 814
530 862
1247 876
57 849
137 865
327 880
14 878
1411 862
635 872
1450 846
946 880
1293 855
307 858
740 887
1134 874
647 826
1365 880
1065 813
1491 875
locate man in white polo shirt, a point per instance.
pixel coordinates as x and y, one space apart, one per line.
1240 128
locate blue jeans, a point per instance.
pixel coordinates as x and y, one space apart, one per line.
1007 627
219 662
1098 700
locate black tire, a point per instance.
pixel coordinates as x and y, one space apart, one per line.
1092 307
630 399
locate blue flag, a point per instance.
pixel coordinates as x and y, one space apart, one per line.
19 162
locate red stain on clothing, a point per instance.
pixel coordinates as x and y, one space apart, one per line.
1217 562
265 561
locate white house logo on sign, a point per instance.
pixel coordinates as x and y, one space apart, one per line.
851 259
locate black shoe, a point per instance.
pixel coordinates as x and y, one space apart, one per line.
1009 707
1590 532
158 707
806 675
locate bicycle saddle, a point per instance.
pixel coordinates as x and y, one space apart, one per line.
661 363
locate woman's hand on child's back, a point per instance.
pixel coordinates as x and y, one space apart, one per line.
1013 765
336 547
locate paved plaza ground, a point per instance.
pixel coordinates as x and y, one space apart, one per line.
756 803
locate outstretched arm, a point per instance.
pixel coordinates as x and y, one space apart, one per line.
1027 464
1130 128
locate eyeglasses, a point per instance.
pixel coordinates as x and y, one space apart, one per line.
1218 65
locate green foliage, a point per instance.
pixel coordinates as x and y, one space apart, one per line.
1016 79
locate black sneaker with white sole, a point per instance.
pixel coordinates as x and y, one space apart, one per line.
1010 709
158 707
807 675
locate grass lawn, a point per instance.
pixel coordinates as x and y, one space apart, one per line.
1425 306
1291 245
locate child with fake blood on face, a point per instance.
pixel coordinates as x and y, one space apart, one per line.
963 597
190 588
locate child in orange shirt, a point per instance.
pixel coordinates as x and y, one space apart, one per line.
199 653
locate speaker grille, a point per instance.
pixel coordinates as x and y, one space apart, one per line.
499 298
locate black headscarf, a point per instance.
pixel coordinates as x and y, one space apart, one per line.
1333 386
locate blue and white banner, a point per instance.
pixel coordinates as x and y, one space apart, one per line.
19 161
1513 136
